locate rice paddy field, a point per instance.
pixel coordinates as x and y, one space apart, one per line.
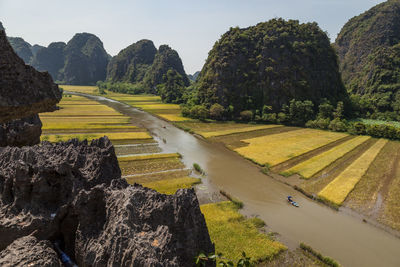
358 172
149 103
144 163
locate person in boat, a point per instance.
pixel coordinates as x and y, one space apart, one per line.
289 198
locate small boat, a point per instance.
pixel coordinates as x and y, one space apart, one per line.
291 201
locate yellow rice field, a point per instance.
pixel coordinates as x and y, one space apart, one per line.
277 148
82 110
111 136
80 89
80 125
98 120
233 234
337 190
174 117
170 186
315 164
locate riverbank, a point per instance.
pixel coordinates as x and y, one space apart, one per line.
351 241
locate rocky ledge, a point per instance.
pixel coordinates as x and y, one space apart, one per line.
72 193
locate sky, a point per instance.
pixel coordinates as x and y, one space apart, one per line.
188 26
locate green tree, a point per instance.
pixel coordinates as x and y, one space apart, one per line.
216 111
171 90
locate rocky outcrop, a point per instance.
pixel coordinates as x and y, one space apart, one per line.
73 192
23 132
42 179
24 92
29 251
135 226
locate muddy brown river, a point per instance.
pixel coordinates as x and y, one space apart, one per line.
336 234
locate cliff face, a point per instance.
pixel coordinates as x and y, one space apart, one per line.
85 60
50 59
24 92
73 192
270 64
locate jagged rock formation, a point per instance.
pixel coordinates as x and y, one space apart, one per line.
369 53
24 92
270 64
22 48
22 132
1 27
73 192
132 63
142 63
85 60
50 59
29 251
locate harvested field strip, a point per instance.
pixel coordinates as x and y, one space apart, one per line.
150 166
337 190
111 136
137 149
316 183
154 173
238 130
315 164
367 196
232 233
151 177
277 148
152 156
170 186
391 211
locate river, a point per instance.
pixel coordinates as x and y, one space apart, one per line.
336 234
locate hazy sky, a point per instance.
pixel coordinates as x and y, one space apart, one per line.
188 26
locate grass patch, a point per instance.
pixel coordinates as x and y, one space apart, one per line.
277 148
198 168
315 164
146 166
232 233
238 203
170 186
337 190
328 261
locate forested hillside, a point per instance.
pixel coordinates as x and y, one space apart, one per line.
266 66
368 48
